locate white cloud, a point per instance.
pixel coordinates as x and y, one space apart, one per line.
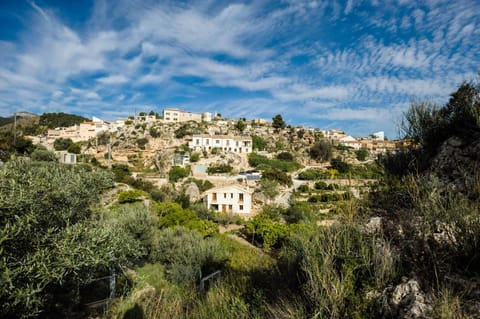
113 79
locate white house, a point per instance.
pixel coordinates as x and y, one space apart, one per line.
351 142
233 198
173 115
82 132
227 143
66 157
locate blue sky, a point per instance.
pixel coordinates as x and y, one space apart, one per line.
353 65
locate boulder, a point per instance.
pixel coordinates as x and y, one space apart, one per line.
192 191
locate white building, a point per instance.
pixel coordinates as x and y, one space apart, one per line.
350 142
66 157
229 199
174 115
227 143
82 132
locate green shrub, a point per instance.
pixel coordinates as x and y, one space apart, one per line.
303 188
341 166
312 174
278 176
262 162
285 156
186 256
362 154
194 157
267 231
43 155
130 196
322 151
219 169
141 142
176 173
62 144
258 143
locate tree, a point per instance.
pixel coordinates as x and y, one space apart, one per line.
278 122
75 148
258 143
240 125
152 113
62 144
341 166
362 154
269 188
176 173
50 247
321 151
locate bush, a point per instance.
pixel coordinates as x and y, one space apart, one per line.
341 166
278 176
312 174
154 132
43 155
219 169
321 151
176 173
130 196
362 154
299 212
121 171
141 142
186 255
263 162
194 157
258 143
303 188
62 144
285 156
267 231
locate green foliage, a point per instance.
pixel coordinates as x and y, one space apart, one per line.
62 144
277 175
154 132
341 166
285 156
48 243
75 148
183 131
336 266
321 151
240 125
130 196
186 255
43 155
269 188
362 154
312 174
278 122
121 171
172 214
219 169
194 157
258 143
54 120
270 233
216 150
176 173
202 184
303 188
263 162
141 142
299 212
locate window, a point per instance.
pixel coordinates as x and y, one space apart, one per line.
241 207
217 141
240 197
224 195
231 195
198 141
230 207
214 196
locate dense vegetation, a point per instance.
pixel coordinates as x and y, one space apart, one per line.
61 227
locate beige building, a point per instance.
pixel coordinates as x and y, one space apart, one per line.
229 199
227 143
82 132
174 115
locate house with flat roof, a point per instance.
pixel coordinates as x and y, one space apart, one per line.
229 199
174 115
227 143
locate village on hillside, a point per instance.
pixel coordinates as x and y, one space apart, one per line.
181 148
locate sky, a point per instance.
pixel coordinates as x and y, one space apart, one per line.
352 65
